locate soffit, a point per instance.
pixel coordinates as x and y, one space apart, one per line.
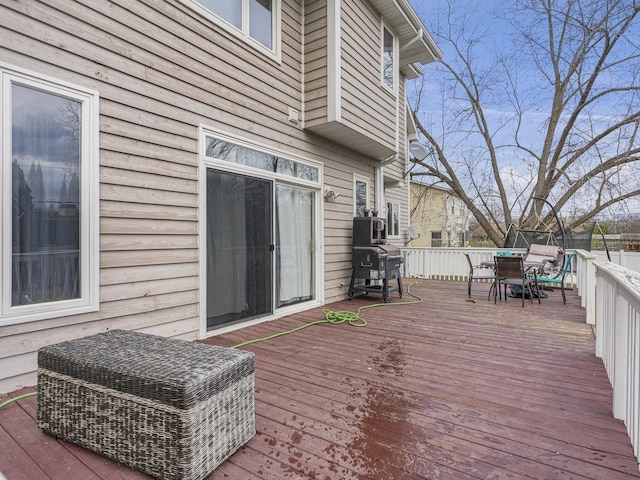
416 43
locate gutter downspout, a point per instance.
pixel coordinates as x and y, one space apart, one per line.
381 205
412 41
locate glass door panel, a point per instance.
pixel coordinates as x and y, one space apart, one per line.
239 246
294 245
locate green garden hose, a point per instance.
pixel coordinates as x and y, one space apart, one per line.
19 397
335 318
352 318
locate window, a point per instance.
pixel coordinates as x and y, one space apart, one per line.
388 59
254 19
261 22
229 10
49 199
393 219
436 238
361 196
230 152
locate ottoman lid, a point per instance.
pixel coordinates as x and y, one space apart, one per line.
179 373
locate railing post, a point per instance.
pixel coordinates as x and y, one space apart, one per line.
620 356
586 273
589 299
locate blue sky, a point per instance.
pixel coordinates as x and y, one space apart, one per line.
496 36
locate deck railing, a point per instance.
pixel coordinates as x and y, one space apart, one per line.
610 294
616 295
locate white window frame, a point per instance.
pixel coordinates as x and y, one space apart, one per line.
392 209
393 88
431 238
367 182
274 52
88 300
208 162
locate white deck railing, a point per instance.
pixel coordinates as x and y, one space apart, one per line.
610 294
617 319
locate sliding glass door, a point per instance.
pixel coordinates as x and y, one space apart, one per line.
239 248
260 233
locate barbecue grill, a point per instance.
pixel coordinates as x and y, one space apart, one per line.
374 262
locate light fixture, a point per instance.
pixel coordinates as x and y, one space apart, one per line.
330 194
418 151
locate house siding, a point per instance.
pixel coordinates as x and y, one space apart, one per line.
367 106
162 71
315 62
398 169
361 108
431 212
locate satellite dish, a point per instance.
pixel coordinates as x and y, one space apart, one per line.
418 151
412 235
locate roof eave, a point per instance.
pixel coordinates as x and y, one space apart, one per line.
416 43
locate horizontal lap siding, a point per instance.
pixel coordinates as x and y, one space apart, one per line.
338 219
366 105
161 71
397 169
396 172
148 175
315 62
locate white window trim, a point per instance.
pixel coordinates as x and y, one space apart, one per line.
431 232
394 88
206 131
208 162
367 181
243 33
89 214
395 207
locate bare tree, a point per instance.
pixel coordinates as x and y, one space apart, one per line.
551 112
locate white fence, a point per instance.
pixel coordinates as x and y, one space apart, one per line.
610 294
450 263
443 263
631 260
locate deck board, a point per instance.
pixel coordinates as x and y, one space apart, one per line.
450 388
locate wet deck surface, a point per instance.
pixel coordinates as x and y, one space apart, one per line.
450 388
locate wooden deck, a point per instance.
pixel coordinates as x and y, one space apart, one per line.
451 388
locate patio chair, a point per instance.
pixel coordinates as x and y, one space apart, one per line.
542 254
511 271
559 280
484 273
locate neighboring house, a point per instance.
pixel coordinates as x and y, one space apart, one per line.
167 165
438 216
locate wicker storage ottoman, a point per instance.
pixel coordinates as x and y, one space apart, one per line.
171 408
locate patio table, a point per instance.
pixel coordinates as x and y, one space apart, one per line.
527 265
